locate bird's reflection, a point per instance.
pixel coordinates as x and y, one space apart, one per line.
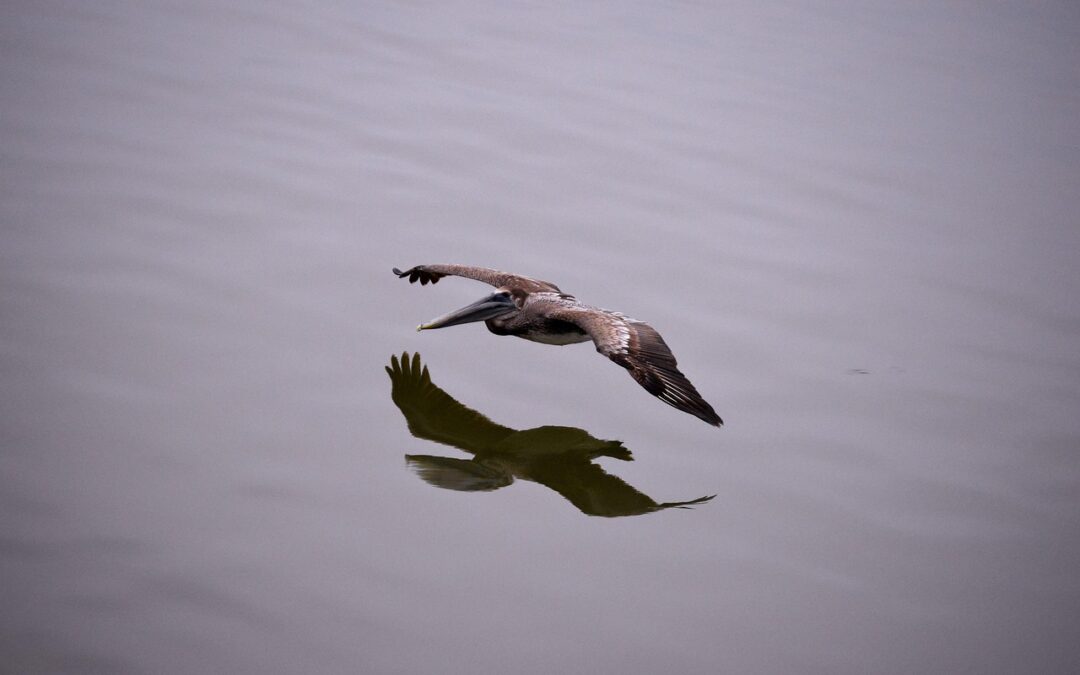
560 458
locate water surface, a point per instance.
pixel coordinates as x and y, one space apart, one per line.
855 226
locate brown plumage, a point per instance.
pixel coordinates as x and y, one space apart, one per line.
538 311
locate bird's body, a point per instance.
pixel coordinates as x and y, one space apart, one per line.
538 311
536 320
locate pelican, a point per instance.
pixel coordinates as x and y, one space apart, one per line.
538 311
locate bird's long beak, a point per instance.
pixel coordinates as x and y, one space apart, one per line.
484 308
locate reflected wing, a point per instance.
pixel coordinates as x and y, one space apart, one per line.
637 346
433 414
594 491
432 273
464 475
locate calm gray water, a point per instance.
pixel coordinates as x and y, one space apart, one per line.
856 224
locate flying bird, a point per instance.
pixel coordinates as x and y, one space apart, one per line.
538 311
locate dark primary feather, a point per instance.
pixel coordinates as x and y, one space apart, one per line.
652 364
637 346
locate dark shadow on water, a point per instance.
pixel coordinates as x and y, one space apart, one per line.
561 458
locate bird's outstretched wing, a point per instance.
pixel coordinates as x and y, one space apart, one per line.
433 414
637 346
426 274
